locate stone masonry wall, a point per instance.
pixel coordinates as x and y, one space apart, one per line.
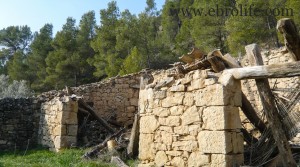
58 124
114 98
191 121
18 123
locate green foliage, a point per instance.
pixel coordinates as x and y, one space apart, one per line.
62 62
244 30
133 62
40 48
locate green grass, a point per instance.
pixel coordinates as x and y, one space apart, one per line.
45 158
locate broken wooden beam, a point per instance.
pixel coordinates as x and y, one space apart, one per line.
133 145
288 29
251 114
283 70
95 150
215 61
268 102
86 108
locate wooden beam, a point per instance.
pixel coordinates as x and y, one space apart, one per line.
86 108
250 113
288 29
283 70
271 112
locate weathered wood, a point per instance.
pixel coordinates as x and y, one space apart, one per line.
230 61
95 150
89 109
250 113
283 70
269 106
215 61
191 57
287 27
133 146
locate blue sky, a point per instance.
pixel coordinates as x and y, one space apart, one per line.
36 13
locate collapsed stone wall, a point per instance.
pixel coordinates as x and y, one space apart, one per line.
190 121
19 121
59 123
114 98
250 90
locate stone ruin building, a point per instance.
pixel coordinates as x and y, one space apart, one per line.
192 120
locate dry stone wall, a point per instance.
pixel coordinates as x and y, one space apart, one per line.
18 123
114 98
190 121
59 124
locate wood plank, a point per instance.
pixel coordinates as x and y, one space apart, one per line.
272 115
87 108
251 114
283 70
288 29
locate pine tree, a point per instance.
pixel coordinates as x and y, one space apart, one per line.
40 48
62 63
86 34
107 61
133 62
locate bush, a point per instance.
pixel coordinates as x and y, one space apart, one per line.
16 89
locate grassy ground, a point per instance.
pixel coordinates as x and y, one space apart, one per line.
45 158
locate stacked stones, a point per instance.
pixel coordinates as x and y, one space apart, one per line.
192 121
18 123
58 123
116 97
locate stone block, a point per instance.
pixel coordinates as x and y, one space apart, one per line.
214 95
210 81
188 99
160 94
177 88
160 159
176 110
174 153
148 124
200 74
221 117
185 145
219 142
69 117
166 129
221 160
163 137
181 130
197 159
178 162
196 84
169 121
194 129
173 100
161 112
72 130
190 116
146 151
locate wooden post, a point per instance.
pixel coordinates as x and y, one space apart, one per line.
287 27
272 115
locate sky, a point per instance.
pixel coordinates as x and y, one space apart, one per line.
36 13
